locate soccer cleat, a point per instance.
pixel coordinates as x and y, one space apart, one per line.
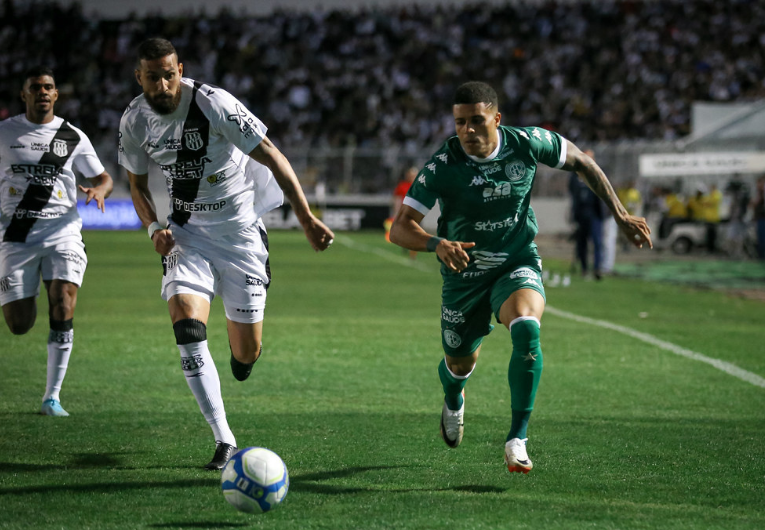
452 424
516 457
240 370
52 407
223 452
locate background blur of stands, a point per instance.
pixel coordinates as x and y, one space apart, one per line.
355 92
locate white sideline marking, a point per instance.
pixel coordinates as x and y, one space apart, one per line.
728 368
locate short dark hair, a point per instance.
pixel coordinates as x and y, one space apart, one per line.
37 71
474 92
155 48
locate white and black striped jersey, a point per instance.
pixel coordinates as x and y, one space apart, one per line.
38 188
202 149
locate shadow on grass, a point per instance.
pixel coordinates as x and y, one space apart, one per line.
308 483
199 524
300 483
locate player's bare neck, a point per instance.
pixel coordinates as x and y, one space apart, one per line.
40 119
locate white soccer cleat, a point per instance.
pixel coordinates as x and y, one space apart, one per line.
452 424
516 457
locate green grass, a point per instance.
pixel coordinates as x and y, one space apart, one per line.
624 435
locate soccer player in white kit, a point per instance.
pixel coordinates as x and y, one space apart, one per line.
39 224
217 162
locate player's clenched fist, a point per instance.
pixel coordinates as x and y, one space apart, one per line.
163 241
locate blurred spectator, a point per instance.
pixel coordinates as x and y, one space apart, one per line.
372 77
710 206
632 200
399 193
758 210
676 212
736 228
588 213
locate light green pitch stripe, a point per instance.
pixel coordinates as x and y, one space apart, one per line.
724 366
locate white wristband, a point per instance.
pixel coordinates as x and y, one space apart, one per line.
153 227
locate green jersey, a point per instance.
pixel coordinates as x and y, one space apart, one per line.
486 201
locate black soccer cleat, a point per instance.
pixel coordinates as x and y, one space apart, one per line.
240 370
222 454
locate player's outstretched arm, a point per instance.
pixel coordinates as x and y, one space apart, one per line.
318 234
635 228
101 189
147 213
406 232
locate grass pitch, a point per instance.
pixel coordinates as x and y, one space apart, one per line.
624 434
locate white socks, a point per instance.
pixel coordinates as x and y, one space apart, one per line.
202 377
59 350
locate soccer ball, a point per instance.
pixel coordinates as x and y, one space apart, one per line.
255 480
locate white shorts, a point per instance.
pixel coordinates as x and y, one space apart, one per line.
21 266
234 267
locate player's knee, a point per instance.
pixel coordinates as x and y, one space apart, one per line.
248 352
189 330
524 332
20 327
461 367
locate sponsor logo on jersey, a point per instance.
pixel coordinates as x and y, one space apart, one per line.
490 170
21 213
490 226
73 257
478 181
452 316
39 146
191 169
12 191
169 262
253 280
119 142
421 179
172 144
515 171
216 178
193 140
523 133
443 157
523 273
192 363
179 204
476 274
244 120
18 146
43 174
548 137
5 284
484 260
60 148
452 338
59 194
431 167
536 134
502 191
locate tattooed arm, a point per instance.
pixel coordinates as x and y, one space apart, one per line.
635 228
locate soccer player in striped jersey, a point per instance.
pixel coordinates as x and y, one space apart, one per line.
39 223
222 174
482 179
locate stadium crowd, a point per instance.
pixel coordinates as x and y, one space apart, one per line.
592 70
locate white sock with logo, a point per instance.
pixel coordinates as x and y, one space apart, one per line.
202 377
59 350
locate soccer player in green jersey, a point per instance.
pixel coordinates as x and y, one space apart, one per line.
482 180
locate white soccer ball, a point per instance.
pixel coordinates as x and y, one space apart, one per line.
255 480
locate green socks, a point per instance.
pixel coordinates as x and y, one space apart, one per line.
453 386
524 372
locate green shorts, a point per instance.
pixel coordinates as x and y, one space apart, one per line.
467 304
